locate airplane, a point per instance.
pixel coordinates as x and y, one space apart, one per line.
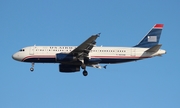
72 58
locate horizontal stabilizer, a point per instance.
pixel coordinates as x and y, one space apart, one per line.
154 48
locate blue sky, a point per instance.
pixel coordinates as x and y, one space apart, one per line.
150 83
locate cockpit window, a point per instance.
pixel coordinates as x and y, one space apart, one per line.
21 50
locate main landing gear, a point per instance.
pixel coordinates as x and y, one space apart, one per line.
32 67
85 73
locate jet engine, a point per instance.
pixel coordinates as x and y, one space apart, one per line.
69 68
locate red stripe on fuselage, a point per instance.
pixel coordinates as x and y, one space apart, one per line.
123 57
39 56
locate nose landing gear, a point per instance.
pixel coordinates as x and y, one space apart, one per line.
32 67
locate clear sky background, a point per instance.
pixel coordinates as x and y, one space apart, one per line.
150 83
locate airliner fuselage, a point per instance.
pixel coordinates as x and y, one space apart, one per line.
47 54
72 58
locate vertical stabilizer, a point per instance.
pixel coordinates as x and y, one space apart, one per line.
152 38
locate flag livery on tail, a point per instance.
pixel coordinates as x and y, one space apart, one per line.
152 38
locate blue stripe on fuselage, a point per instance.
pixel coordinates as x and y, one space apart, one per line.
104 60
53 60
41 60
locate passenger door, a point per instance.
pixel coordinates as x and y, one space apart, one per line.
133 52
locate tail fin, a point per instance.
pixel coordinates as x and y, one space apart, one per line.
152 38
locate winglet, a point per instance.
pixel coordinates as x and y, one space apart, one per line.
98 34
105 66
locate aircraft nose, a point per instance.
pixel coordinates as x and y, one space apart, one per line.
16 57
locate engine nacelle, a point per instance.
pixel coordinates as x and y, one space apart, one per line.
64 57
69 68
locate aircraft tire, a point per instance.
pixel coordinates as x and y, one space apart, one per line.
31 69
85 73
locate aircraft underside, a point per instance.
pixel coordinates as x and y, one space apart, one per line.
74 66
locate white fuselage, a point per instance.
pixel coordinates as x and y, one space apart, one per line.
47 54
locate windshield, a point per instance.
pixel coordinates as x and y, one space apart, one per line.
21 50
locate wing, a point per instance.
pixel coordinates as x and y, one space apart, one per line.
83 49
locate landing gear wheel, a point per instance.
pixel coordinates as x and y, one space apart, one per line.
31 69
85 73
